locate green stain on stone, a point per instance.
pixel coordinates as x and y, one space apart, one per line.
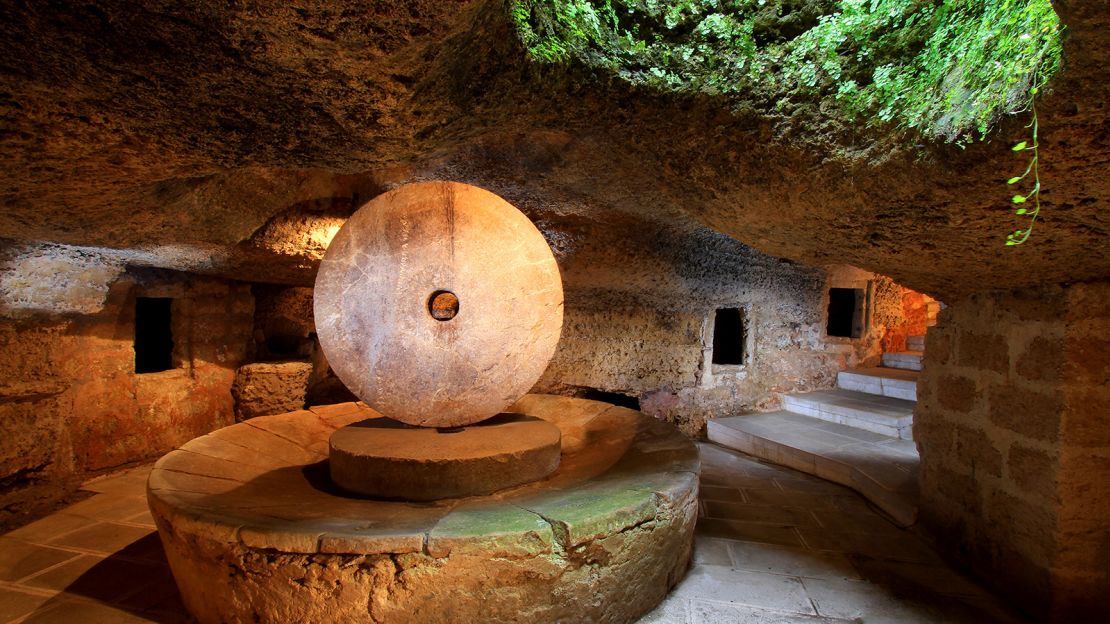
499 529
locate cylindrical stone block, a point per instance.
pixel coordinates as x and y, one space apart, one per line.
386 459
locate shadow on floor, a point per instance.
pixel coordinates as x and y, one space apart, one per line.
132 585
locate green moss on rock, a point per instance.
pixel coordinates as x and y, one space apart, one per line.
949 68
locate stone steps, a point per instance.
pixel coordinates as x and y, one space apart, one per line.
878 414
889 382
858 435
882 469
905 360
915 343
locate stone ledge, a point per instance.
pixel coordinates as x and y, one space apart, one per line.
602 539
884 472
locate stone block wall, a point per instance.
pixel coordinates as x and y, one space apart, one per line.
638 321
72 406
1013 426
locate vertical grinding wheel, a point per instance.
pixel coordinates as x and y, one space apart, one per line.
439 304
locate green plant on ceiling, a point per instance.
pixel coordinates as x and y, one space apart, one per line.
947 70
1018 237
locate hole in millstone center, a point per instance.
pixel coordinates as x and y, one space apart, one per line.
443 305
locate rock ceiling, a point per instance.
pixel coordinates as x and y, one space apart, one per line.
210 128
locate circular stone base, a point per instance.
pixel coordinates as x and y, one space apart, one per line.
255 532
383 458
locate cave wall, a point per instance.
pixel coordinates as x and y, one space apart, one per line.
72 406
639 312
1013 426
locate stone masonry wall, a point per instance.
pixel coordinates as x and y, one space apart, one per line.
638 321
72 406
1013 425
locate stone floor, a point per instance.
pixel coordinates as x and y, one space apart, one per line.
778 546
773 545
880 468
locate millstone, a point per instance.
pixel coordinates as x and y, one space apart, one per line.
383 458
438 304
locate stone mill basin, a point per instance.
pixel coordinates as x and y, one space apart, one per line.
255 531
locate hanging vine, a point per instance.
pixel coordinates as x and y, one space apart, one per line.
1018 237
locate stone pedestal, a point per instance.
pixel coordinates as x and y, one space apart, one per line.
383 458
261 535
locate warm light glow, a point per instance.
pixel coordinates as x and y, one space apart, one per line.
324 231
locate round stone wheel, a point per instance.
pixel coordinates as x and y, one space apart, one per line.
439 304
383 458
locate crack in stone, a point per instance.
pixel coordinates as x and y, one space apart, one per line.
559 531
197 474
233 461
281 437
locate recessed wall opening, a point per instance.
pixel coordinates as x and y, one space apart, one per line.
283 345
729 336
845 313
616 398
153 334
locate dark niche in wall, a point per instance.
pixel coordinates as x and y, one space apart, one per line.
153 334
729 336
845 312
616 398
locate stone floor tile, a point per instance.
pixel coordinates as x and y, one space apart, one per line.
101 580
719 493
170 610
45 529
905 547
109 507
19 559
158 596
810 486
126 482
787 498
711 551
759 513
790 561
767 591
871 602
717 458
15 603
102 537
916 578
869 522
713 612
142 518
70 612
60 577
147 549
673 610
749 531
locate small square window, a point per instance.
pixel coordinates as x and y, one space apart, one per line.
153 334
845 312
729 336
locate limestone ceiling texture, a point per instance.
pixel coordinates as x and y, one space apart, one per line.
209 125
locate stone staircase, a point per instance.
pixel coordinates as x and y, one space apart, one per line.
858 434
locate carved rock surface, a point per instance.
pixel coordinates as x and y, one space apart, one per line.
265 388
374 304
262 537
